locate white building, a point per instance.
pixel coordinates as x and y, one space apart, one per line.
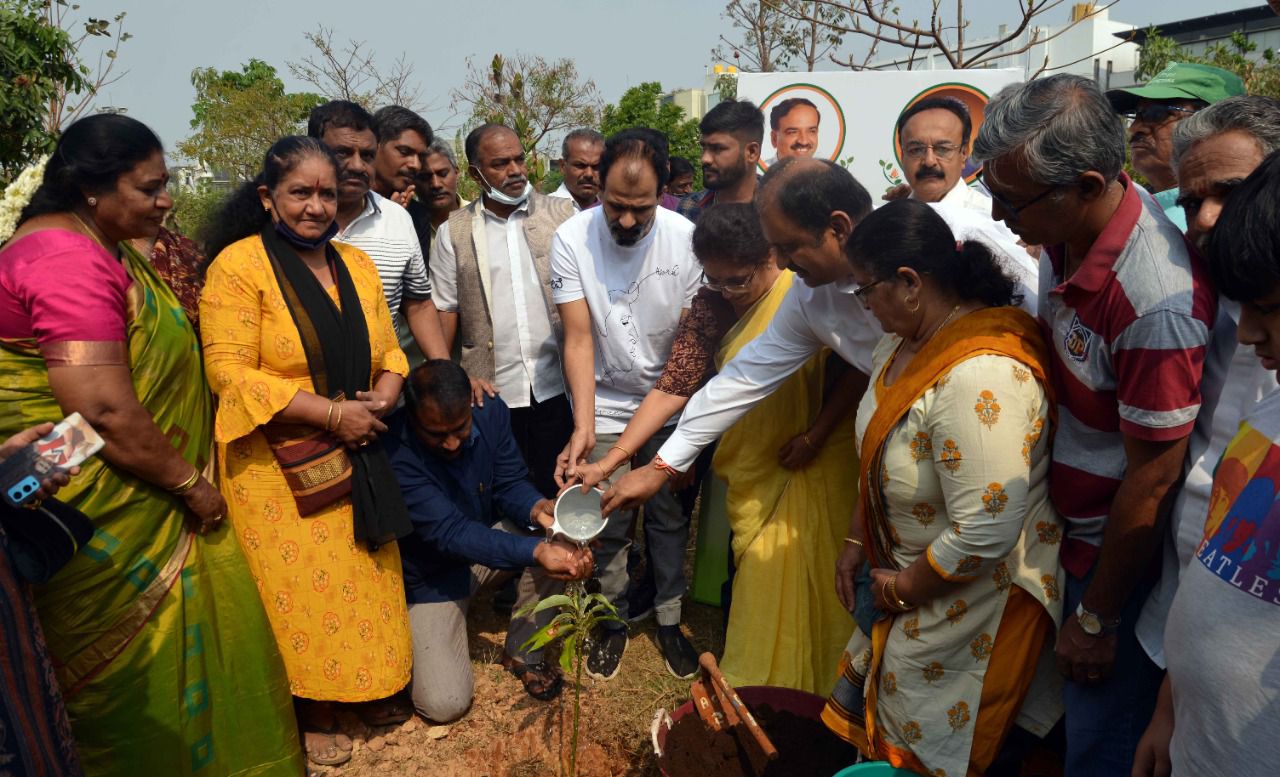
1085 44
695 102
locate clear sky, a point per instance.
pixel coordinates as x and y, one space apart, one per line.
617 44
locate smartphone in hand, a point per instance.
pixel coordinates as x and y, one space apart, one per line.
71 442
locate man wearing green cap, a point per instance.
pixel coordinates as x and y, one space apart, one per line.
1155 108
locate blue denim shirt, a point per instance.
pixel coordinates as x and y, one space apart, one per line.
454 503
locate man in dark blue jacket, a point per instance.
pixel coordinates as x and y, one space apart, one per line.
477 517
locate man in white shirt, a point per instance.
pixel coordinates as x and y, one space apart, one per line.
1214 150
935 134
622 276
375 224
808 208
490 268
580 165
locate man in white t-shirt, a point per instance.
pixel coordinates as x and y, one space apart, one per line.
622 276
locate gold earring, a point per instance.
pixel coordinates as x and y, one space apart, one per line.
93 202
909 300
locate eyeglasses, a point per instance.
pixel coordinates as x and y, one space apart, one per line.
1014 211
861 291
1155 113
729 284
943 151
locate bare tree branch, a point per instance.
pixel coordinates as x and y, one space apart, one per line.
59 15
351 72
880 21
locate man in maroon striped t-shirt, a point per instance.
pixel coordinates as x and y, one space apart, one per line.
1126 308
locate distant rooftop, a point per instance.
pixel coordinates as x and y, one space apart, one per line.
1218 25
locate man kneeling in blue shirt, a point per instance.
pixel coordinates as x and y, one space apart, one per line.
477 518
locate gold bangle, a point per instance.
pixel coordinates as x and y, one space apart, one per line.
892 586
854 541
338 423
624 450
328 418
186 485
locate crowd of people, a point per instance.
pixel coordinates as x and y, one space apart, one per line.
993 459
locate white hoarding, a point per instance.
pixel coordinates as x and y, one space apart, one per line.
858 111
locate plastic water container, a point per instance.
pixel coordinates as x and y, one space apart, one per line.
874 769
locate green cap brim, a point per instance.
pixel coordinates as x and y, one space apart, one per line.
1126 100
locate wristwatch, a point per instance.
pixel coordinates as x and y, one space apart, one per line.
1094 624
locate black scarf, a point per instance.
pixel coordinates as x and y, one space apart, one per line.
336 343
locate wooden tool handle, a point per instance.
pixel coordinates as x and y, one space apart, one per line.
726 693
705 709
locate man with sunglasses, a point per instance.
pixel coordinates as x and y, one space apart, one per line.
1126 308
1155 108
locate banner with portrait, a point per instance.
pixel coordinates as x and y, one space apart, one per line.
851 117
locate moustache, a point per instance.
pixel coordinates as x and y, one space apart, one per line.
519 179
361 177
436 194
931 172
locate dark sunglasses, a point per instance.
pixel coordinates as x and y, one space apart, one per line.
1155 113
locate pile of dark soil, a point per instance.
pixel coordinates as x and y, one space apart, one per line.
805 748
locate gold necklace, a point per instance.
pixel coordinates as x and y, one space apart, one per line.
88 231
936 329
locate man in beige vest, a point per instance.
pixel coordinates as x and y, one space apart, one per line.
491 263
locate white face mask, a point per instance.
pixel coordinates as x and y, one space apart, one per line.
501 197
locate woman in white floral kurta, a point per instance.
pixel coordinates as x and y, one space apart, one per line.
957 520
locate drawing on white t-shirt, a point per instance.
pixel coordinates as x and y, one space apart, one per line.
621 305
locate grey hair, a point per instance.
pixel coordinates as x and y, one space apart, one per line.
1253 114
1063 125
445 149
584 134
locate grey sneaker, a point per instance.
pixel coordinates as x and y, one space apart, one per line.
607 647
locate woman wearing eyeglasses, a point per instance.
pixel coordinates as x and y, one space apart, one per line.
782 472
955 519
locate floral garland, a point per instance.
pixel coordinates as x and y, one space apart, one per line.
18 194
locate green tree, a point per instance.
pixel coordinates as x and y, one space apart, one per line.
239 114
537 98
642 106
41 73
194 207
1259 72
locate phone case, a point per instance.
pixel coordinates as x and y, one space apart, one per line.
71 442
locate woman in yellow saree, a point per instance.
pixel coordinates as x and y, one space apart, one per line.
784 466
161 647
954 517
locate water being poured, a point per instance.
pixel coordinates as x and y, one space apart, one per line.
577 516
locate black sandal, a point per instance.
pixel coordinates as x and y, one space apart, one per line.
540 681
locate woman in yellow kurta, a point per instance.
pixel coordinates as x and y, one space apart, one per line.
272 309
784 466
955 516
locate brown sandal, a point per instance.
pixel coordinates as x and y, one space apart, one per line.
541 681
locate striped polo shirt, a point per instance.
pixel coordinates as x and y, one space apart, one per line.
1128 333
384 231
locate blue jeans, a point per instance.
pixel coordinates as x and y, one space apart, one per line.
1105 721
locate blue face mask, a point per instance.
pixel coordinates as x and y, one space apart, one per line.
301 243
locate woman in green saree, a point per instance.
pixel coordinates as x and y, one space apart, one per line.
155 628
